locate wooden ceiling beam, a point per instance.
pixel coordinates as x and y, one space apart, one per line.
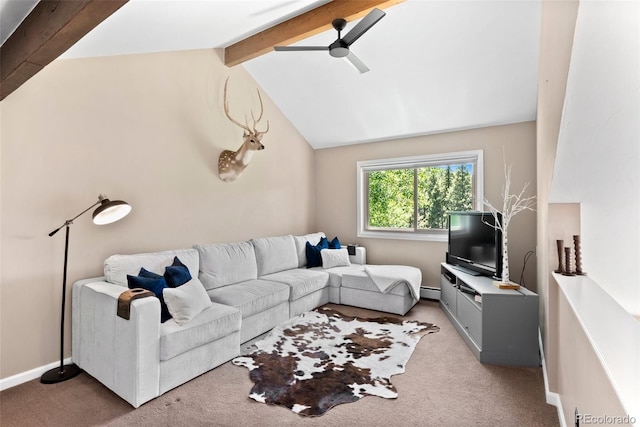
301 27
47 32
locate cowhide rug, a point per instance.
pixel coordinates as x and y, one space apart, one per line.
323 358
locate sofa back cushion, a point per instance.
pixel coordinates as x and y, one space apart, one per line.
275 254
301 242
223 264
116 267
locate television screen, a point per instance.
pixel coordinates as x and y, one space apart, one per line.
474 242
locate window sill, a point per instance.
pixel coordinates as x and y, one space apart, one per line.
404 236
616 341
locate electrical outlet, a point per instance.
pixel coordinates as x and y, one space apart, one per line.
577 417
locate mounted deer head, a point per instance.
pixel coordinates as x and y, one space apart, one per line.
232 163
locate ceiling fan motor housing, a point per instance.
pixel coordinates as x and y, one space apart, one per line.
339 24
338 49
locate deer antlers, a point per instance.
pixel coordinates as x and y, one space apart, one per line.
245 126
232 163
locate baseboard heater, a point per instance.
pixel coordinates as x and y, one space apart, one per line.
430 293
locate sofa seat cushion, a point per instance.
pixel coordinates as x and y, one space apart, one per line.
336 273
211 324
251 296
360 280
301 281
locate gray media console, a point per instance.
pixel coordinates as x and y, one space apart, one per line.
500 326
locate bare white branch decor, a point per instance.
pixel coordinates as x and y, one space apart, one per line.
512 204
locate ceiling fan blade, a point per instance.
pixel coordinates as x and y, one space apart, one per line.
367 22
299 48
356 62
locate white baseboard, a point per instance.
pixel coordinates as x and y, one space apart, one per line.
23 377
430 293
550 397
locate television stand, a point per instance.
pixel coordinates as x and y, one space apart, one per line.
500 326
466 270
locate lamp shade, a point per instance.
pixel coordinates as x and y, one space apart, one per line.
110 211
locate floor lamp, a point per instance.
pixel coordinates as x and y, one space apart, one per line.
106 213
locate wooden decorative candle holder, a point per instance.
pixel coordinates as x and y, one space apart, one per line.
578 255
559 245
567 262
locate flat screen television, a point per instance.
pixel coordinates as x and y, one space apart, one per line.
474 244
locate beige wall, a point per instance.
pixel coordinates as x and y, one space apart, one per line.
142 128
336 193
556 40
576 377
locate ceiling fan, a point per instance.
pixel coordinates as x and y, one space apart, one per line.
340 47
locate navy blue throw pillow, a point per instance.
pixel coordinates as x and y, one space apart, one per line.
335 243
155 285
314 259
148 274
176 274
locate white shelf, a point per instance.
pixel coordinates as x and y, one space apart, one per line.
616 341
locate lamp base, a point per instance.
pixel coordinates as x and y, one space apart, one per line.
56 375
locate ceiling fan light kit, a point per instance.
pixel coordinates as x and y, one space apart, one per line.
340 47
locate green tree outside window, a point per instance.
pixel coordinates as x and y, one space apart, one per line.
435 190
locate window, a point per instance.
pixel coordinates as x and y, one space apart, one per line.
410 197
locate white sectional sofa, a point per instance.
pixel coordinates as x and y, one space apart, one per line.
253 286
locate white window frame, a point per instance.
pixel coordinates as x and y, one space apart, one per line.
472 156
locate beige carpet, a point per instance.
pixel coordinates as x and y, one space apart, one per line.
444 385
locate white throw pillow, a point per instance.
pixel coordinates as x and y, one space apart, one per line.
334 258
187 301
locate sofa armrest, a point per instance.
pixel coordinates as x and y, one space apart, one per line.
121 354
360 257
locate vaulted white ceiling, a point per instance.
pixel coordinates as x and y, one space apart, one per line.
436 66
